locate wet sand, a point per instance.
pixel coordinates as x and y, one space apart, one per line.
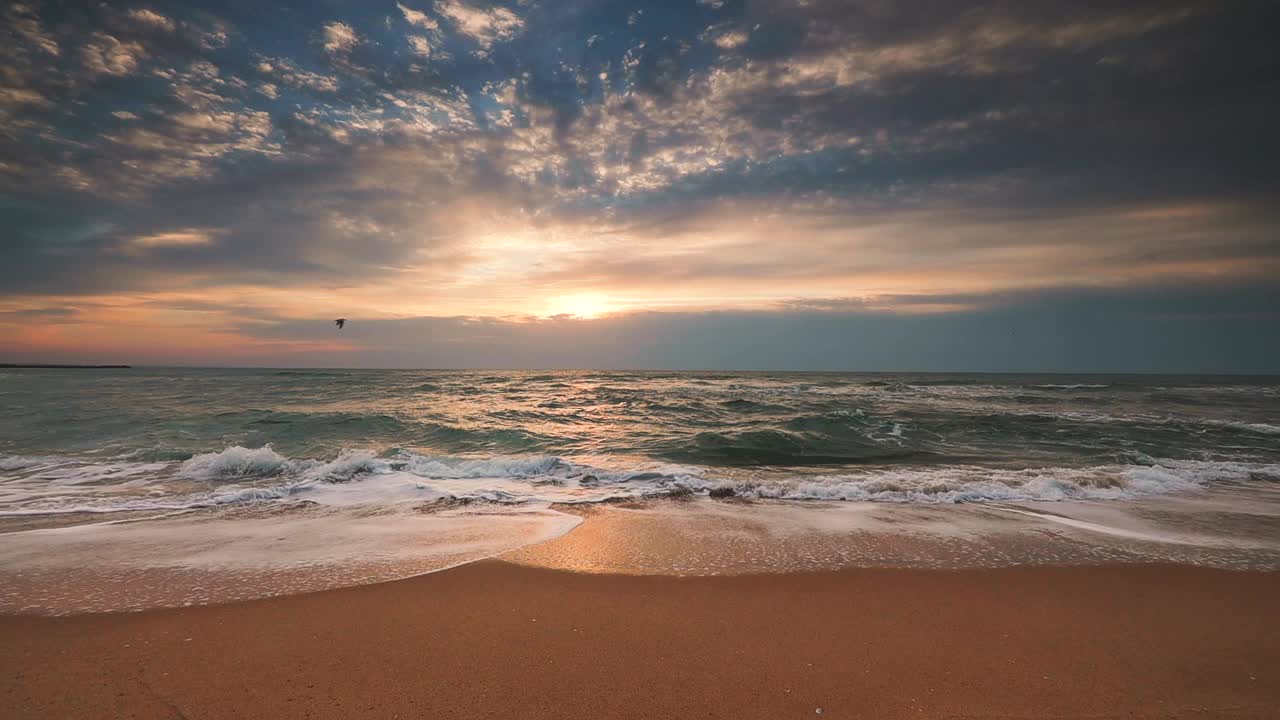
495 639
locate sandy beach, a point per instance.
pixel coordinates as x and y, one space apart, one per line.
494 639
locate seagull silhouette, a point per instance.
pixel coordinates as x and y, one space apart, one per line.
340 322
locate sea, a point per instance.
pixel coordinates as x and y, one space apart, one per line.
281 480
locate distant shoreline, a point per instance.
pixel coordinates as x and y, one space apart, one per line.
12 366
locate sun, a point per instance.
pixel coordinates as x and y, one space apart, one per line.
587 305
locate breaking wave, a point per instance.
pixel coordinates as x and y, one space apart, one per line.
238 475
968 484
235 462
19 462
1258 428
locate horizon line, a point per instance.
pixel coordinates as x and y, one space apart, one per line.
143 366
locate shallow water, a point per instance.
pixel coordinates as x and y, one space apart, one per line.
366 475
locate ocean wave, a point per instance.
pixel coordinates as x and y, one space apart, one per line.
779 448
740 405
238 495
513 467
21 462
1259 428
235 462
951 485
846 436
238 462
316 421
1073 386
926 382
240 475
311 373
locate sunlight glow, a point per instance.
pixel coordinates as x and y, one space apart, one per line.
587 305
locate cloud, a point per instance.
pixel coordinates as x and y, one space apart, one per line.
152 19
423 45
418 18
339 38
105 55
23 22
726 38
10 96
44 314
185 133
485 27
174 238
420 45
288 73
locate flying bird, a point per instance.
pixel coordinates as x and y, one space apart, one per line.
340 322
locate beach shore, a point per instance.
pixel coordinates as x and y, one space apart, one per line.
495 639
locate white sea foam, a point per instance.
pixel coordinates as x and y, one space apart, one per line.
185 560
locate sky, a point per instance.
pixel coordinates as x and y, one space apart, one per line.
1034 185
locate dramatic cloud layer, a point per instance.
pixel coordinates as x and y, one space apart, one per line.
799 183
